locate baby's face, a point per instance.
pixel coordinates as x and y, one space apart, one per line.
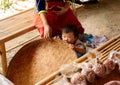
68 37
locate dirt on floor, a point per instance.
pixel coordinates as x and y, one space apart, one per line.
102 18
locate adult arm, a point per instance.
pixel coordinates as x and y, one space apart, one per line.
41 9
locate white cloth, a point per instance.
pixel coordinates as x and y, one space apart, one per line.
5 81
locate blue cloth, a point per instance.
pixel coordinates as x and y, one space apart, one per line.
40 4
87 37
79 54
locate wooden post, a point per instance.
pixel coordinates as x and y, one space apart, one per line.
3 58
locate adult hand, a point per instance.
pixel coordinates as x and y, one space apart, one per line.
47 28
47 32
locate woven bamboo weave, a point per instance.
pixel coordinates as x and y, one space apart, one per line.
104 50
37 60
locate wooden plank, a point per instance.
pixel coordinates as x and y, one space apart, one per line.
107 43
4 28
110 45
17 33
12 21
19 14
22 40
22 24
3 58
16 25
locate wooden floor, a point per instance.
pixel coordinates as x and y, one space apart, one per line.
102 18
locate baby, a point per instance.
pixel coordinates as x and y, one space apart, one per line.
70 35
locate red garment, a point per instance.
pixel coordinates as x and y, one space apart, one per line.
58 22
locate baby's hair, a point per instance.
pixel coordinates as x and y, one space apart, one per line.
70 28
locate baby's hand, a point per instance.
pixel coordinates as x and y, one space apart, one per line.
71 46
56 37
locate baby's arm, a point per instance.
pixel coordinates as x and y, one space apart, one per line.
80 49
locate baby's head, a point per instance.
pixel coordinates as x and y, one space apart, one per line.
69 33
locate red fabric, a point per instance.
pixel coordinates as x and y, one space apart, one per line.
58 22
39 25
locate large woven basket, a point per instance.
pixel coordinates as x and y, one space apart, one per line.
37 60
104 50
